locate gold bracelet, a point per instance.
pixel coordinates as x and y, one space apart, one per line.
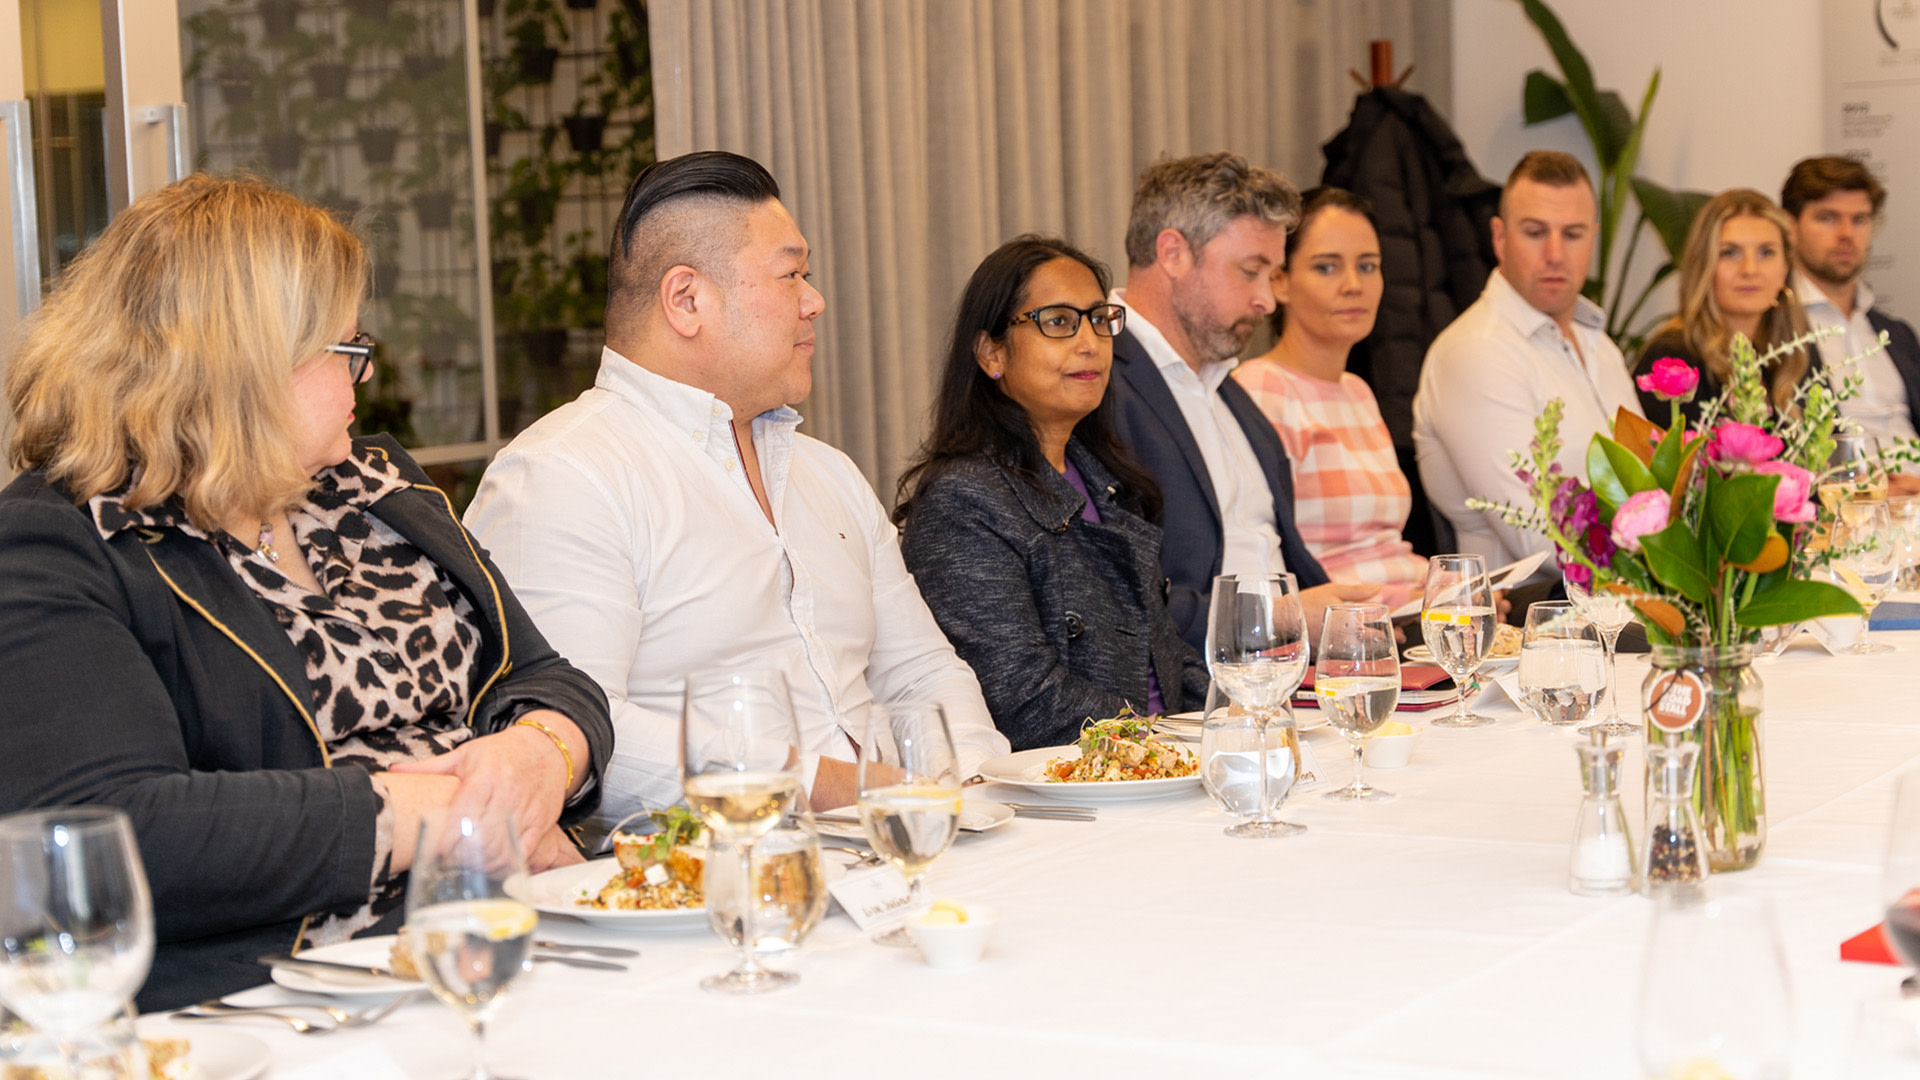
557 741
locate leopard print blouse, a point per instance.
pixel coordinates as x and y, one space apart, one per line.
390 647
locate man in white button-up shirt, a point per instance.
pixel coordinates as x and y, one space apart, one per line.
671 519
1530 338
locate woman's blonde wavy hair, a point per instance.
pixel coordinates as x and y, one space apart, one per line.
1699 320
165 352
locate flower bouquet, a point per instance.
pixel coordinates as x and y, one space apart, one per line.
1706 531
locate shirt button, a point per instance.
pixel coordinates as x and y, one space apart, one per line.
699 435
718 411
729 466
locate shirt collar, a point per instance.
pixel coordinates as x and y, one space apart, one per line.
1811 297
1529 319
1165 356
682 405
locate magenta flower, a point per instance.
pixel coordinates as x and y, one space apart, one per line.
1670 380
1743 444
1575 573
1792 500
1641 515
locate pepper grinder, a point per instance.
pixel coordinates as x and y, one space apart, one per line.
1675 860
1602 862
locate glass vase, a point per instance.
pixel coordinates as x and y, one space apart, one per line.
1710 695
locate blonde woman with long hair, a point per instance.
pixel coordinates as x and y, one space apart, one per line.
1733 280
269 643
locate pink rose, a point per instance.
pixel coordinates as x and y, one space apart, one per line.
1670 380
1641 515
1743 444
1791 501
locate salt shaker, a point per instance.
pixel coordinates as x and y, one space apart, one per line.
1602 851
1675 860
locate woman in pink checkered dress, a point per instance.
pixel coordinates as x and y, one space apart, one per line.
1350 498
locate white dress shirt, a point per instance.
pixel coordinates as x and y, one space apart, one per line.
1881 406
625 523
1484 383
1250 537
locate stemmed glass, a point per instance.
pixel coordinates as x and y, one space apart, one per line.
1609 614
1457 619
1905 511
909 782
1853 474
467 937
1357 681
1257 653
1561 677
76 922
740 769
1714 999
1864 562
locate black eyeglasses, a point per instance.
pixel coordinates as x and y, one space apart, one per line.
359 353
1063 321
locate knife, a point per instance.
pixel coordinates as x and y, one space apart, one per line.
329 966
591 950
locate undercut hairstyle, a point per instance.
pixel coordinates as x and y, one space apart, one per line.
1699 321
684 211
972 414
1815 178
1200 196
1312 202
1549 168
165 353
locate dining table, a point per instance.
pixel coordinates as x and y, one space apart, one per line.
1430 935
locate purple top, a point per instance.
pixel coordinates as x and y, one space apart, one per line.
1156 704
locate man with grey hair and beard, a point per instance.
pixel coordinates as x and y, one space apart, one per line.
1204 238
671 519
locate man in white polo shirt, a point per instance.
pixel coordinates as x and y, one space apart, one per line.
1530 338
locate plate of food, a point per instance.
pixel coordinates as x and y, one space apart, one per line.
1115 759
1504 655
976 815
177 1051
380 951
653 881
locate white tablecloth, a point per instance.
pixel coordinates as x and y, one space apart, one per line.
1428 936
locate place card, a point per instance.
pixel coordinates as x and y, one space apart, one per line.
1501 687
872 898
367 1063
1309 767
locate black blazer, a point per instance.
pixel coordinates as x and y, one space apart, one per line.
142 673
1151 424
1903 347
1060 617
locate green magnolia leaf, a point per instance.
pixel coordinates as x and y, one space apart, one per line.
1544 98
1674 558
1615 129
1739 515
1627 469
1790 599
1666 458
1601 477
1671 212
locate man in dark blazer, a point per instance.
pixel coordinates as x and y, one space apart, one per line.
1202 242
1835 203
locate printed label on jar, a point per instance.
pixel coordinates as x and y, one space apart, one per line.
1677 700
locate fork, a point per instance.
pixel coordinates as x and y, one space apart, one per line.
217 1009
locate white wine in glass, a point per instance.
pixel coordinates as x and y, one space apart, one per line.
1864 562
909 780
1457 620
76 922
467 937
740 769
1257 654
1356 681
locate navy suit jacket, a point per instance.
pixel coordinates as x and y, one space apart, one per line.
1151 424
1903 348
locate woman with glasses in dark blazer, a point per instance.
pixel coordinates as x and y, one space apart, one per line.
1031 532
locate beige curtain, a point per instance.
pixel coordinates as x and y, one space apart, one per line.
911 137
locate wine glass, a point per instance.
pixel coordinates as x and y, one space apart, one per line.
1562 668
1853 474
467 937
740 769
1356 679
1863 562
76 922
1905 511
1457 620
1714 998
1257 653
909 782
1609 614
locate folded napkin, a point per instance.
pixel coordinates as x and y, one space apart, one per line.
1895 617
1869 947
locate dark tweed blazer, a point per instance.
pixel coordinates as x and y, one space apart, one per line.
1060 617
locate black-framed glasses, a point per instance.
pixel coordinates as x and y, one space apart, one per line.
1063 320
359 353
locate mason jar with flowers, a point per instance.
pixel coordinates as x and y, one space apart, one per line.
1705 531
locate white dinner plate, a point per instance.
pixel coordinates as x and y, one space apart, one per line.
1186 725
371 951
216 1053
564 891
1420 654
1026 769
976 814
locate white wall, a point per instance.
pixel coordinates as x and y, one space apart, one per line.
1740 85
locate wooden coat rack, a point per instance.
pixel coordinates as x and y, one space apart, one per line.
1380 54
